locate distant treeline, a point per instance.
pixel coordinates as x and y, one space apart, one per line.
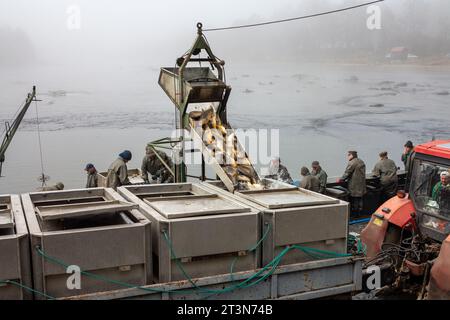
422 26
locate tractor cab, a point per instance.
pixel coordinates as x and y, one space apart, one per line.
410 233
429 188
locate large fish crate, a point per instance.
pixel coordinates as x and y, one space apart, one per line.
134 175
295 216
14 251
93 230
207 232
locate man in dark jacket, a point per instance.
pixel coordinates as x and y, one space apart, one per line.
386 170
406 155
355 175
321 175
118 171
152 164
92 178
309 182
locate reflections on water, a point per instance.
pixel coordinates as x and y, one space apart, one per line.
321 111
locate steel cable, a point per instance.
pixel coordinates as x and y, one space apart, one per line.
293 19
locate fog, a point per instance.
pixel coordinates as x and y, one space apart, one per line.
118 32
324 82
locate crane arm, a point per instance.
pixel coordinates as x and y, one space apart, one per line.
11 129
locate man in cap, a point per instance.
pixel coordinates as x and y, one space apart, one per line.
309 181
56 187
92 179
279 172
118 172
442 184
152 164
355 175
386 170
406 155
318 172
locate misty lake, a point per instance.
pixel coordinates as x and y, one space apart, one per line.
322 110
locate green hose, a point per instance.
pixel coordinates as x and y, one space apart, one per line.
259 276
17 284
101 278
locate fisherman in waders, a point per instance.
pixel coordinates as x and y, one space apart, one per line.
406 155
118 171
151 164
355 175
386 170
92 179
318 172
309 182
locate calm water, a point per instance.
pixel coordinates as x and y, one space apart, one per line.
321 110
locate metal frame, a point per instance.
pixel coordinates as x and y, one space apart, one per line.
75 246
183 96
281 218
301 281
14 254
11 129
187 235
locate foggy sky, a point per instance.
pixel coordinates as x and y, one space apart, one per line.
151 32
118 28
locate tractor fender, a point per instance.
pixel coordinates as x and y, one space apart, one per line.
398 212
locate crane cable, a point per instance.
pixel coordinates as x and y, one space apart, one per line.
42 176
296 18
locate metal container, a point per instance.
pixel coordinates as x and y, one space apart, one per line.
295 216
208 232
14 250
199 85
134 175
94 230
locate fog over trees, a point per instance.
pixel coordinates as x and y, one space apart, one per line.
16 47
154 32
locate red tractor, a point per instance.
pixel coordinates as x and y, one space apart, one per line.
409 234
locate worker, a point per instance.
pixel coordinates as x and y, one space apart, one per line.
438 187
386 170
153 165
406 155
118 172
321 175
309 181
279 172
355 175
56 187
92 179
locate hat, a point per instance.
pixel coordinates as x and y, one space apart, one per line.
304 171
353 153
126 155
409 144
89 166
315 164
